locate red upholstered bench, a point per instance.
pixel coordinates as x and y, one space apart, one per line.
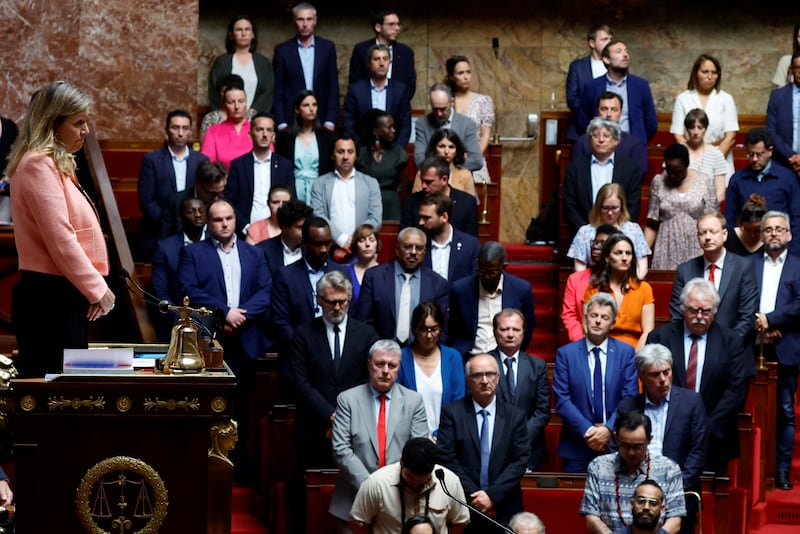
556 499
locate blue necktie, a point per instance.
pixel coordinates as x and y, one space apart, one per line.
597 401
510 380
486 448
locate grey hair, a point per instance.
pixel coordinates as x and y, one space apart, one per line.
335 280
441 87
411 230
385 345
776 213
703 288
652 354
606 124
492 251
301 6
603 299
468 365
526 520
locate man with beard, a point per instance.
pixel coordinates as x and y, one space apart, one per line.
647 505
778 322
452 254
708 358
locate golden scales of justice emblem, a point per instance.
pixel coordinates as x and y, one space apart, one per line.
122 495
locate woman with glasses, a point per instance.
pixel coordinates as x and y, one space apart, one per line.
433 370
745 239
609 208
678 197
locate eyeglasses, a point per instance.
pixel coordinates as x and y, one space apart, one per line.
778 230
633 446
480 376
705 312
432 331
334 302
641 501
601 136
610 209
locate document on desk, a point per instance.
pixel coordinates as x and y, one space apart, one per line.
100 360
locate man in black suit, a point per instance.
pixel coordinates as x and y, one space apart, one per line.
252 175
708 358
285 249
386 24
484 440
328 356
523 381
678 419
731 274
435 177
452 254
586 175
209 186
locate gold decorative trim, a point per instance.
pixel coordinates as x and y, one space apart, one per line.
76 403
123 477
124 404
172 404
218 404
27 403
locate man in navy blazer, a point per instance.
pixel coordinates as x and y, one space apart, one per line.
272 169
579 193
285 248
475 299
588 419
382 288
523 381
679 420
585 69
451 254
639 111
386 24
777 274
721 367
322 370
164 173
491 485
318 58
781 117
359 99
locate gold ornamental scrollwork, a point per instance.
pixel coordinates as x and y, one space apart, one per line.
124 404
218 404
172 404
122 494
27 403
76 403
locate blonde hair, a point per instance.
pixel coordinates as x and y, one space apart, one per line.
607 191
49 106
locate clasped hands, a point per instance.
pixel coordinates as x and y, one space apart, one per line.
762 327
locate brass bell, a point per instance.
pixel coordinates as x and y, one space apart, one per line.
183 356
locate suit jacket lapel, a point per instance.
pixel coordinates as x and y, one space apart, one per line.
395 413
173 186
471 423
727 274
369 417
678 353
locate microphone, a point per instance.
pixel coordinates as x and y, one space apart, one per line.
440 475
163 305
496 47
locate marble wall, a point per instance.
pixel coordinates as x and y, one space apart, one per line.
140 59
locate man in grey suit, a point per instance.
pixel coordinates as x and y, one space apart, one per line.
443 116
371 425
345 197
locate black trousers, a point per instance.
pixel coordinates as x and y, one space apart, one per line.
48 314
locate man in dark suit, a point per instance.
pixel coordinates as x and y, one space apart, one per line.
378 91
285 249
587 397
391 291
708 358
732 277
204 277
434 174
523 381
209 186
678 418
777 274
169 170
586 175
452 254
166 258
639 114
444 116
306 61
252 175
475 299
328 356
484 440
782 115
386 24
585 69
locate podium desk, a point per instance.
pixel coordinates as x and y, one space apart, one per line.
119 453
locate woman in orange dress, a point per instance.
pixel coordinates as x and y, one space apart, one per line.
637 309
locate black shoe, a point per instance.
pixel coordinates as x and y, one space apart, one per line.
782 480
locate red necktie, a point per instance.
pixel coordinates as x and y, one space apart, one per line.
382 432
691 367
711 269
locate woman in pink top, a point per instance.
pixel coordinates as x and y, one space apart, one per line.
229 139
61 249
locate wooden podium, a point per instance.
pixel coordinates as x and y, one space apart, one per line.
120 453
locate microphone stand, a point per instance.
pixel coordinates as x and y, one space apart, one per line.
440 475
